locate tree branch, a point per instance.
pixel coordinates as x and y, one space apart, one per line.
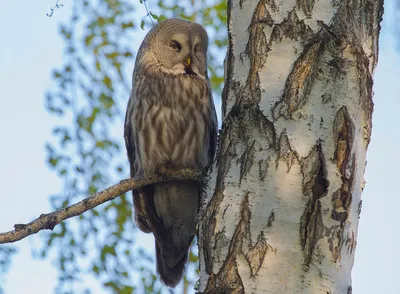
50 220
54 8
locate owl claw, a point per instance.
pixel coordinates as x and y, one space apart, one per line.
162 172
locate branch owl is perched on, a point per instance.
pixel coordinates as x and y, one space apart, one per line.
170 122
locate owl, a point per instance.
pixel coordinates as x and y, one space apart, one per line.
171 123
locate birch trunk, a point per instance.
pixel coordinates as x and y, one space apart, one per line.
281 211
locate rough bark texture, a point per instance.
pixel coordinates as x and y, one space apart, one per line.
280 214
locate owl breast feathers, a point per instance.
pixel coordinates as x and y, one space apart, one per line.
170 122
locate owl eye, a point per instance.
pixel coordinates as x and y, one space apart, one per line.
176 46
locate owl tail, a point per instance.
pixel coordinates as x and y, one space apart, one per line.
177 205
170 275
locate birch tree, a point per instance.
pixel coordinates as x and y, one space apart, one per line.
281 210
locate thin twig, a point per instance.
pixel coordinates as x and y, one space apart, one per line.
148 12
54 8
50 220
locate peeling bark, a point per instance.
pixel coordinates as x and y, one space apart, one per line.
281 211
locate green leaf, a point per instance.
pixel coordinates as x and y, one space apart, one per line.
98 66
161 18
92 189
56 74
110 284
96 269
112 55
107 82
89 39
127 54
126 25
153 15
53 161
126 290
106 101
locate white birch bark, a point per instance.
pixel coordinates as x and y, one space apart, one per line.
281 211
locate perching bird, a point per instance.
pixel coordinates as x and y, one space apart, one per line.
170 123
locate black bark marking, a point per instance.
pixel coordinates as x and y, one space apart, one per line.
307 6
271 219
343 132
245 111
246 161
208 230
263 165
226 208
285 152
362 28
249 126
300 80
230 60
362 23
209 214
272 5
257 51
330 233
226 149
350 242
255 256
327 97
359 209
221 242
365 82
292 28
315 186
228 280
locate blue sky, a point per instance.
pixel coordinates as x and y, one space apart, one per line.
31 47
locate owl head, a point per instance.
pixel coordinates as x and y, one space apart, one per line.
176 47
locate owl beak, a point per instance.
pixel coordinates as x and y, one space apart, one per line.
188 70
187 62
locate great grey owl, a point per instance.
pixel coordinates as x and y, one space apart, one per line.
170 122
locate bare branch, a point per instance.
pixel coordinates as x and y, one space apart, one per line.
149 14
56 6
50 220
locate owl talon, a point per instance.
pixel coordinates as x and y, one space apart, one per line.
162 172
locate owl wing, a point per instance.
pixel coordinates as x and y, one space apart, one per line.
129 138
139 196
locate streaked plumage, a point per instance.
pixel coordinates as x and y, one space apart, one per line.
170 122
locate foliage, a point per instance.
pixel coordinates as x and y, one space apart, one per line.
89 95
6 253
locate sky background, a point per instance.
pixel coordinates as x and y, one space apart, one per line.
30 48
